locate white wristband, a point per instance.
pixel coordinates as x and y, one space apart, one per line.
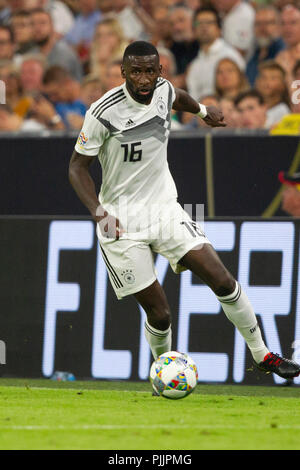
203 111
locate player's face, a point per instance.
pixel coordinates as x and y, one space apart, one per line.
141 74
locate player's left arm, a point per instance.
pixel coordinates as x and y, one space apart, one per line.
212 115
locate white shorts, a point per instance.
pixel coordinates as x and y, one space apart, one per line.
129 260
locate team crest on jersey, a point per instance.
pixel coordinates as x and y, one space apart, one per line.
82 139
161 107
128 276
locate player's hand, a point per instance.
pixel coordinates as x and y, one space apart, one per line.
110 226
214 117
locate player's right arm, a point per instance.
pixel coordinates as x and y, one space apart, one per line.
91 138
84 186
82 182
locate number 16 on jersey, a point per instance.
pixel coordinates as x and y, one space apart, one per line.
131 152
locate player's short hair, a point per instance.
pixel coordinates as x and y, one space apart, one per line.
249 94
209 9
140 48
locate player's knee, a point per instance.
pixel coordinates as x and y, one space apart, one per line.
159 317
225 285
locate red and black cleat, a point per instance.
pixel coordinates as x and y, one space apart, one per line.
285 368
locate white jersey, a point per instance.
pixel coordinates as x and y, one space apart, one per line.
130 140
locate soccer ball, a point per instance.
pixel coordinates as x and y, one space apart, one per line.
173 375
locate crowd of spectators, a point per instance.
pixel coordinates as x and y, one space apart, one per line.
58 56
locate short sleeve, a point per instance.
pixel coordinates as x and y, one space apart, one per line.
91 137
173 92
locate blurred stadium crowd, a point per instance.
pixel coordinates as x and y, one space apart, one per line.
58 56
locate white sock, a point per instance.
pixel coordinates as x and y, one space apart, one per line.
239 311
159 341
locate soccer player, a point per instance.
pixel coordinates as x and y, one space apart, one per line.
128 129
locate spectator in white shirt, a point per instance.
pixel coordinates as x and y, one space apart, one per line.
238 24
201 73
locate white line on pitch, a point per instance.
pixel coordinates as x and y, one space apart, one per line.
33 387
142 426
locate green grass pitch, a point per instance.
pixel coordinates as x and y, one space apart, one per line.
43 414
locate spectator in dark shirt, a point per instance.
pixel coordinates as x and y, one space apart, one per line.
267 37
185 47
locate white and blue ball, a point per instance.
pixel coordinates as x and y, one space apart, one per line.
173 375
